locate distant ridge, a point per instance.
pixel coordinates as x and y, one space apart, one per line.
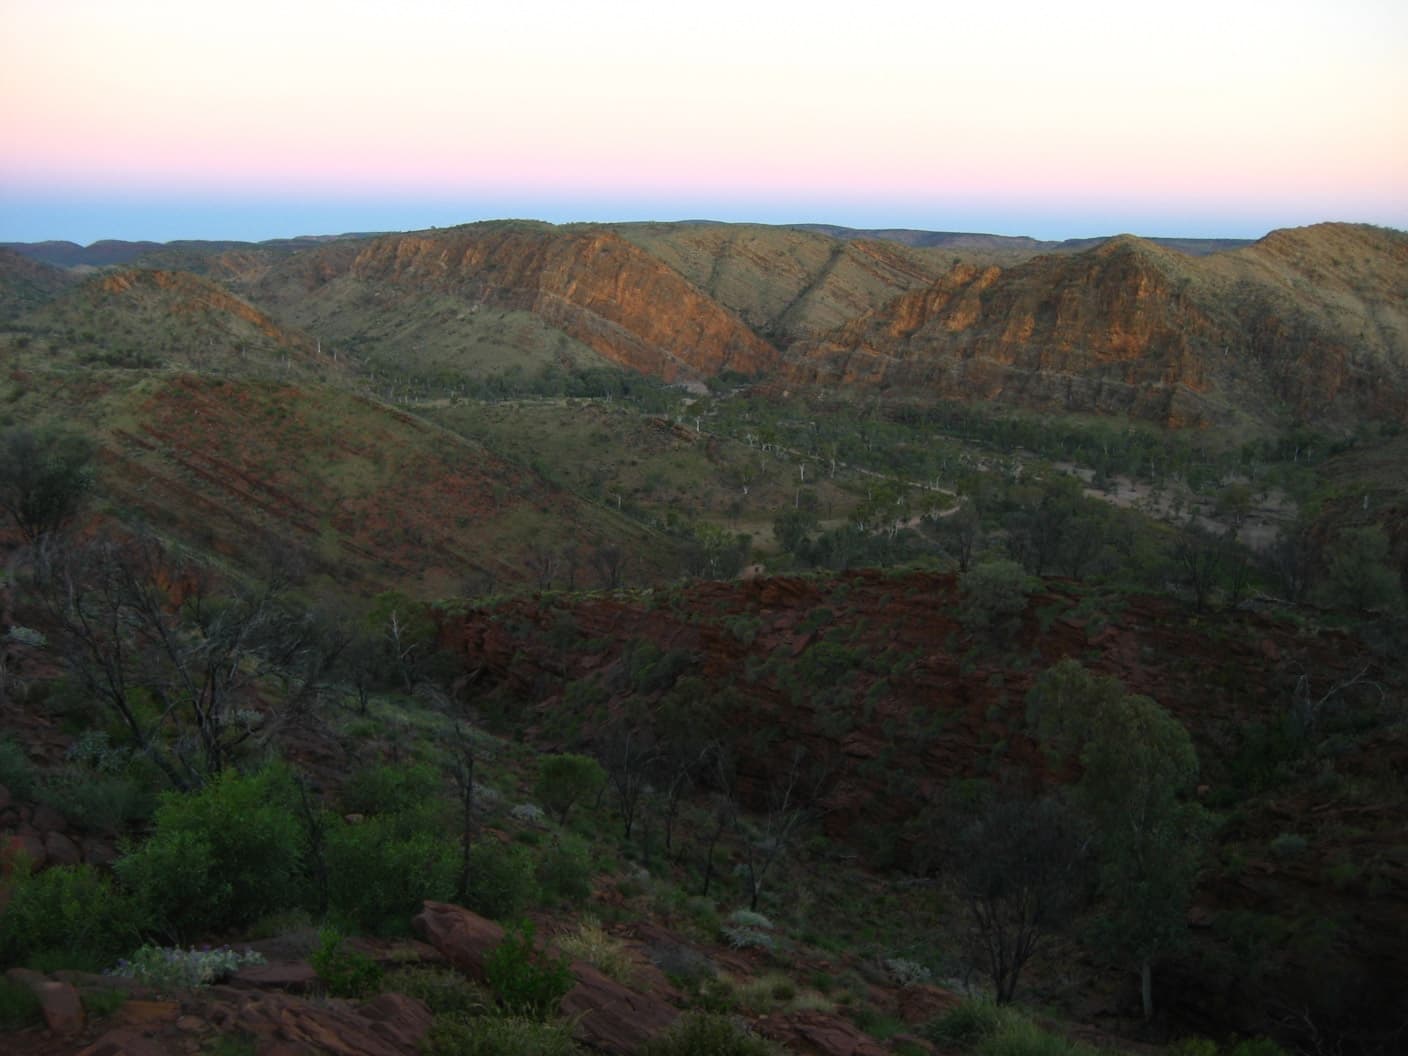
118 252
1196 247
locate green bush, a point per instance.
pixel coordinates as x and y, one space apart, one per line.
16 772
526 980
994 597
565 780
965 1025
378 877
443 990
236 846
19 1008
65 917
393 789
95 802
175 883
463 1036
708 1034
564 871
344 971
501 881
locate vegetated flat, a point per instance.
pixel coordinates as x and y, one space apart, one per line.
664 468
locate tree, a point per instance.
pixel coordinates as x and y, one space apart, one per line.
169 652
44 476
1019 868
994 598
1360 574
1137 761
565 780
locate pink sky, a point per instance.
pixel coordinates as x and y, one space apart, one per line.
1054 120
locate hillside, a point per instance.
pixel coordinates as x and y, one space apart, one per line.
1132 328
145 317
26 284
592 286
787 284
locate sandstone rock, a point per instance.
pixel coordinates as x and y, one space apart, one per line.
612 1017
46 819
462 937
919 1004
819 1034
60 850
295 977
63 1010
123 1041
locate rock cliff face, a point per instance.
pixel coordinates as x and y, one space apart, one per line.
593 285
1311 321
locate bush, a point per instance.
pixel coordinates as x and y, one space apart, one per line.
172 968
458 1036
590 943
378 877
746 930
708 1034
565 780
95 802
564 871
392 789
994 597
221 857
345 972
65 917
16 772
19 1008
526 980
501 882
965 1025
443 990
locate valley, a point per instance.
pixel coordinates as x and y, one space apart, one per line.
826 560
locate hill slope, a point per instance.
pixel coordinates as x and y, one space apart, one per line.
1306 324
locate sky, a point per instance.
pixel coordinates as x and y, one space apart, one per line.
192 119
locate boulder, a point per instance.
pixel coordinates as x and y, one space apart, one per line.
60 850
611 1017
461 937
819 1034
62 1007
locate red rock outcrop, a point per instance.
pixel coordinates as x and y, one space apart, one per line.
606 1015
591 284
1315 318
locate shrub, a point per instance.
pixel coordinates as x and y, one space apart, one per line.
172 968
95 802
565 780
65 917
457 1036
746 930
906 972
219 858
501 883
443 990
1288 845
393 789
345 972
564 871
378 876
994 597
708 1034
16 772
526 980
965 1025
19 1008
592 944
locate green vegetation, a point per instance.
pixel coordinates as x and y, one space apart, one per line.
526 980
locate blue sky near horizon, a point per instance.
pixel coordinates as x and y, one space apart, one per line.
161 120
